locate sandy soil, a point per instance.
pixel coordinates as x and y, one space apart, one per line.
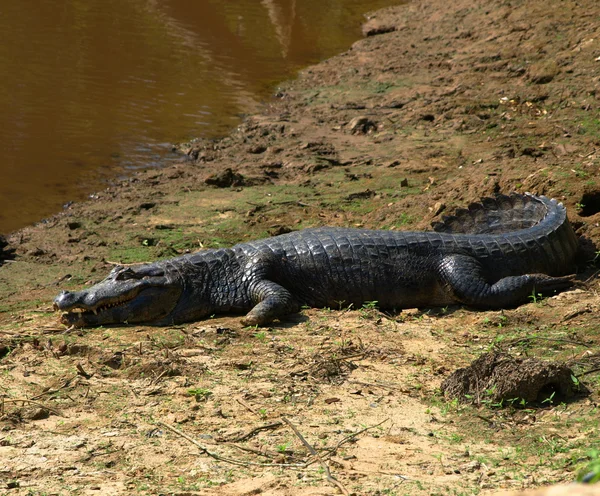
442 104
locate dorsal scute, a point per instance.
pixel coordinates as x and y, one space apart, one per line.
499 214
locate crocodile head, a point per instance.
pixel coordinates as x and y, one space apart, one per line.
146 293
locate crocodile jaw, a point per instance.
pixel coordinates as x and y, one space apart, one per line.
139 298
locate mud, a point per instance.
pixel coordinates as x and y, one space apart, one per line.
499 378
445 103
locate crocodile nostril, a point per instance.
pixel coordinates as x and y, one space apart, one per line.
60 299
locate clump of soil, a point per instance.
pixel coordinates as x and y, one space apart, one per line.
225 179
6 253
499 377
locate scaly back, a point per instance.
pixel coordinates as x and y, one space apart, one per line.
502 214
535 228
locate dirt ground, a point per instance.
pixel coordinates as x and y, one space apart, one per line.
442 104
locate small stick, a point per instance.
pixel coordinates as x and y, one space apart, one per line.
250 450
81 371
331 451
532 338
36 403
347 357
378 385
313 452
233 461
256 430
52 330
588 372
591 277
246 405
576 313
157 379
486 419
52 391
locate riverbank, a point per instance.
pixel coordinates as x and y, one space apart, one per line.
444 103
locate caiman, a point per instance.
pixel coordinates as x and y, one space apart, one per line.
495 254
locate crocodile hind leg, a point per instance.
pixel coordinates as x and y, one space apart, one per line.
270 301
463 277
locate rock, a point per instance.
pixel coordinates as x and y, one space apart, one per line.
542 73
532 151
361 125
6 253
257 149
37 413
438 208
36 252
115 361
278 230
225 179
373 27
361 195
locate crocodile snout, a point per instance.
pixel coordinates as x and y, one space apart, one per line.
62 300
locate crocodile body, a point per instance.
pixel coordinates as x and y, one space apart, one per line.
494 254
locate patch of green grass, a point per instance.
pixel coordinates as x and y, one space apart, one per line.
132 254
261 336
589 125
401 222
215 218
590 472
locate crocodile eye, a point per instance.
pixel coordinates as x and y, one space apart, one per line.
126 274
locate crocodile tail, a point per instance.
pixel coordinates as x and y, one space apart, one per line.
501 214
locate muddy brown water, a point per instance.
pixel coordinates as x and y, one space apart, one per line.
94 89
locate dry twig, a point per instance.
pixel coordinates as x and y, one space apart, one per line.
313 452
65 384
343 441
218 457
246 406
587 372
256 430
36 403
540 338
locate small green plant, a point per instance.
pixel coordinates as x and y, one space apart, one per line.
282 448
456 438
536 297
200 394
261 336
452 405
263 413
549 399
368 309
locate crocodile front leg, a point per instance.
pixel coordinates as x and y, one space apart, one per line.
463 277
271 301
